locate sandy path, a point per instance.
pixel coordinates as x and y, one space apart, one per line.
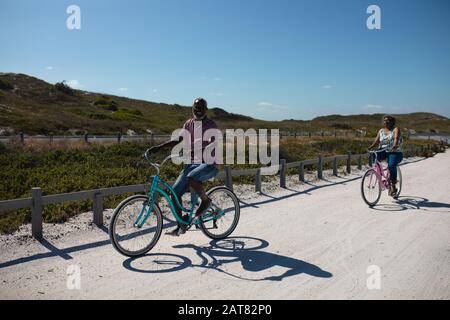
304 242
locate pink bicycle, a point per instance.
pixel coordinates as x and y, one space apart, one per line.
376 179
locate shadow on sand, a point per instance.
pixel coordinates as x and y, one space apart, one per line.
221 253
413 203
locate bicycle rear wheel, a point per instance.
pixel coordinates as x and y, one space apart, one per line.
399 182
371 187
222 217
129 239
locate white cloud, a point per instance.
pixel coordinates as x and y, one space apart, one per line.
49 68
270 107
217 79
373 108
155 90
327 86
123 89
74 84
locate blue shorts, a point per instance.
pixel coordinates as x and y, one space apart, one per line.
199 172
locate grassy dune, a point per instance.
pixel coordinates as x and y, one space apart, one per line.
34 106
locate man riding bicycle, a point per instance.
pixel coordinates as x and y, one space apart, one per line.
198 171
389 138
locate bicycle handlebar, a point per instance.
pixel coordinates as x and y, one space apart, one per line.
157 166
376 151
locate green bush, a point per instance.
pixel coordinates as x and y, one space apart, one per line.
6 85
64 88
126 114
106 103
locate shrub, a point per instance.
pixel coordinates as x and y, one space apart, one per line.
64 88
342 126
105 103
5 85
127 114
137 112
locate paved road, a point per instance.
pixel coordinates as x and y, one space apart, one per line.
312 241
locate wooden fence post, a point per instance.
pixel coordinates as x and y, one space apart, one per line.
258 181
86 138
36 213
335 167
301 172
98 209
349 162
320 167
119 137
283 173
228 178
360 162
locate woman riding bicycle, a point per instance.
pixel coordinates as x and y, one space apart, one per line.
389 138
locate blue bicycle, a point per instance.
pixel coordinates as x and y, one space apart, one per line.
137 222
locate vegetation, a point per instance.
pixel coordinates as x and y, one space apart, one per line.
106 103
5 85
37 107
64 88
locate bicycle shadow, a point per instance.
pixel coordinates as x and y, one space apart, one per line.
217 257
413 203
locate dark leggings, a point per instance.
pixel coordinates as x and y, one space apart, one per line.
393 159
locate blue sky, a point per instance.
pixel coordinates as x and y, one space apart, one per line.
268 59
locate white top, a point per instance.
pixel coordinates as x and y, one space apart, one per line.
387 140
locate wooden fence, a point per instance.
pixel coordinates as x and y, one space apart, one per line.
160 137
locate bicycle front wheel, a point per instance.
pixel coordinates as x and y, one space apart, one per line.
371 187
222 217
126 235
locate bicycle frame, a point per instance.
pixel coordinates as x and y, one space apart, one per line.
382 172
156 190
152 195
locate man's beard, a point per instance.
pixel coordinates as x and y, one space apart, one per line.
196 117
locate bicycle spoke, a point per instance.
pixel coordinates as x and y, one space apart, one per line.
127 236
